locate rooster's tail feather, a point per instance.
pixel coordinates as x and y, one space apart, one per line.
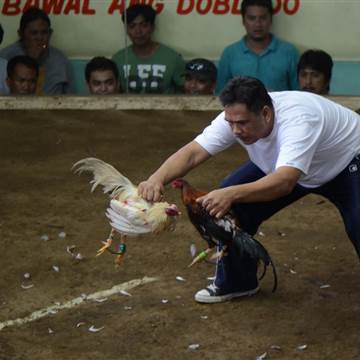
104 174
249 246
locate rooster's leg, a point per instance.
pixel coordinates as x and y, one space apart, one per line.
220 253
121 253
106 243
202 256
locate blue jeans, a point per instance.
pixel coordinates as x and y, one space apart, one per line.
343 191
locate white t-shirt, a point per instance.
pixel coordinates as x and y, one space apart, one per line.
311 133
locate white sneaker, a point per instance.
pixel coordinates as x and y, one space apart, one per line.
212 294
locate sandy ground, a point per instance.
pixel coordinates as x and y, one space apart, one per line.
39 195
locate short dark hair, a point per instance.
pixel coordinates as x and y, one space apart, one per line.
100 63
264 3
31 14
23 60
318 60
133 11
246 90
202 69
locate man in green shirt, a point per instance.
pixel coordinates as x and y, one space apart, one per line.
147 66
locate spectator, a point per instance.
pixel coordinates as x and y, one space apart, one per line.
1 34
200 77
314 71
102 76
22 75
147 66
54 68
3 75
259 53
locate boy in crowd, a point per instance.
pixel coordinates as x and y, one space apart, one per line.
102 76
147 66
22 75
200 77
314 71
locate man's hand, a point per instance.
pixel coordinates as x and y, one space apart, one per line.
151 190
217 202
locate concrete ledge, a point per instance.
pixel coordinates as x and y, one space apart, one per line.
352 102
130 102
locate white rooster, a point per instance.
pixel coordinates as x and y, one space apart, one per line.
129 213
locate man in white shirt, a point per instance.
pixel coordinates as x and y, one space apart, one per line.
298 143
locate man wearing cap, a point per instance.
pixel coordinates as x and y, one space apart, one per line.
259 53
314 71
200 77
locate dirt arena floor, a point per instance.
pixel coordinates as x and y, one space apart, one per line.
315 314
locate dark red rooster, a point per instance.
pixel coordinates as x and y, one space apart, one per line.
225 232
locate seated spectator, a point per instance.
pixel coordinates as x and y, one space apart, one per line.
3 74
54 68
200 77
314 71
147 66
1 34
259 53
22 75
102 76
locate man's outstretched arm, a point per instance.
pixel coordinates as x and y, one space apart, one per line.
270 187
177 165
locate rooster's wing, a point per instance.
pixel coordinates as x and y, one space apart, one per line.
128 218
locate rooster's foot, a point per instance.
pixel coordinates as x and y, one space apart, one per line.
106 246
202 256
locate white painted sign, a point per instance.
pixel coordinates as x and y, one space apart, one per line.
84 28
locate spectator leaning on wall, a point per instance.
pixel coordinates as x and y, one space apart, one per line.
147 66
259 53
102 76
54 68
200 77
314 71
3 74
22 75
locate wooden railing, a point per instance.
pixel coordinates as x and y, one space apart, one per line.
131 102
